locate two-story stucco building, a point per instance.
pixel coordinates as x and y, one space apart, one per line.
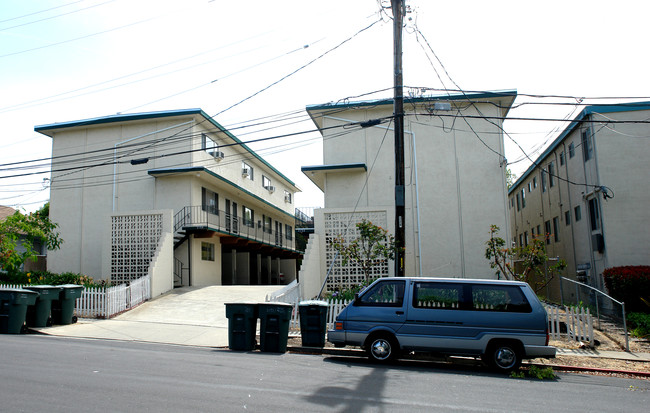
588 193
119 182
455 183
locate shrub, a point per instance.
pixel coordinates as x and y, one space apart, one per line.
639 324
48 278
630 284
347 293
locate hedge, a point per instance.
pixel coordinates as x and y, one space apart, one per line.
630 284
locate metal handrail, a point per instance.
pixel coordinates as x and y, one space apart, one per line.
621 303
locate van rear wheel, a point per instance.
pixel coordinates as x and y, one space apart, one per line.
503 356
382 348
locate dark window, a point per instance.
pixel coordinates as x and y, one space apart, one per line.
551 174
209 201
547 231
267 224
556 229
384 294
504 298
439 296
539 230
525 238
249 216
288 232
543 180
578 213
594 214
562 158
523 198
247 171
266 182
534 182
572 150
518 203
567 218
207 251
521 240
587 145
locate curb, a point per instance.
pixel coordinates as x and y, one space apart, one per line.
555 367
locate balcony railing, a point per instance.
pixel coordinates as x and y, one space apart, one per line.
195 217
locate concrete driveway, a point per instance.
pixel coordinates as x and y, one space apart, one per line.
186 316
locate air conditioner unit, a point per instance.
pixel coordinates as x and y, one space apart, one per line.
271 188
218 155
244 172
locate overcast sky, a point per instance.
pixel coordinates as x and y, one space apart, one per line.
75 59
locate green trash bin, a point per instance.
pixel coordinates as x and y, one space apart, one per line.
274 326
38 315
13 309
313 322
242 325
63 308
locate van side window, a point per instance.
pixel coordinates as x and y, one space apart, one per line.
506 298
437 295
384 294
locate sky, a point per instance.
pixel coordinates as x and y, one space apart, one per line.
250 61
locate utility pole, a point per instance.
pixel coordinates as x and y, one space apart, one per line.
398 113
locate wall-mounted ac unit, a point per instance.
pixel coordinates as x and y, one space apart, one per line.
218 155
244 172
271 188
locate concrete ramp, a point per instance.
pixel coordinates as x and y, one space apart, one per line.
187 316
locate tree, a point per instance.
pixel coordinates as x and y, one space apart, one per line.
531 260
511 178
373 246
24 230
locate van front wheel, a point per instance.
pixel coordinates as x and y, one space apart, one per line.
503 356
382 348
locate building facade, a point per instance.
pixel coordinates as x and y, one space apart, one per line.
230 212
587 195
455 183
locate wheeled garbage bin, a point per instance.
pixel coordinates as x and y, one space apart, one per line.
38 315
13 309
63 308
313 322
274 326
242 325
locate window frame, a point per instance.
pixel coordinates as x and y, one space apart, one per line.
207 251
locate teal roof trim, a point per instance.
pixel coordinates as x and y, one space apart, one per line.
153 115
333 167
165 171
588 110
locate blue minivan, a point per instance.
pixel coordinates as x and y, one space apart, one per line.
502 322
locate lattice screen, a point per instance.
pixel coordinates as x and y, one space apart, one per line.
343 276
134 239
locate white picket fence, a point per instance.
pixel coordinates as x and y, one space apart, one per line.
578 321
106 302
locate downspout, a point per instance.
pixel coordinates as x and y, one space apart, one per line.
130 140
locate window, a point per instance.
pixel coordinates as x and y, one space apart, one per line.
543 180
207 144
547 232
207 251
266 182
521 240
567 218
534 182
288 232
512 202
562 158
247 171
209 201
556 229
267 224
287 196
539 230
587 146
572 150
532 232
523 198
578 213
439 296
594 214
518 203
248 216
551 174
505 298
384 294
525 238
530 186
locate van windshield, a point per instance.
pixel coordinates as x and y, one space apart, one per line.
385 294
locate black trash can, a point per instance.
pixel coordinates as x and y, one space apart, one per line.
38 315
274 326
313 322
242 325
63 308
13 309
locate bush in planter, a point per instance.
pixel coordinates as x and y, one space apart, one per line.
630 284
639 324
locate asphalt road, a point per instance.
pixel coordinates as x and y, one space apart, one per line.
55 374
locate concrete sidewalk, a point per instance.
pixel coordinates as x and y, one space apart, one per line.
196 316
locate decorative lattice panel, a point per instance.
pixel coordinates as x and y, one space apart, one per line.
134 239
343 225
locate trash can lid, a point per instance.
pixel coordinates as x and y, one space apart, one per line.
277 304
42 287
70 286
243 302
314 302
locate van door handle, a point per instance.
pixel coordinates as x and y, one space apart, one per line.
399 312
